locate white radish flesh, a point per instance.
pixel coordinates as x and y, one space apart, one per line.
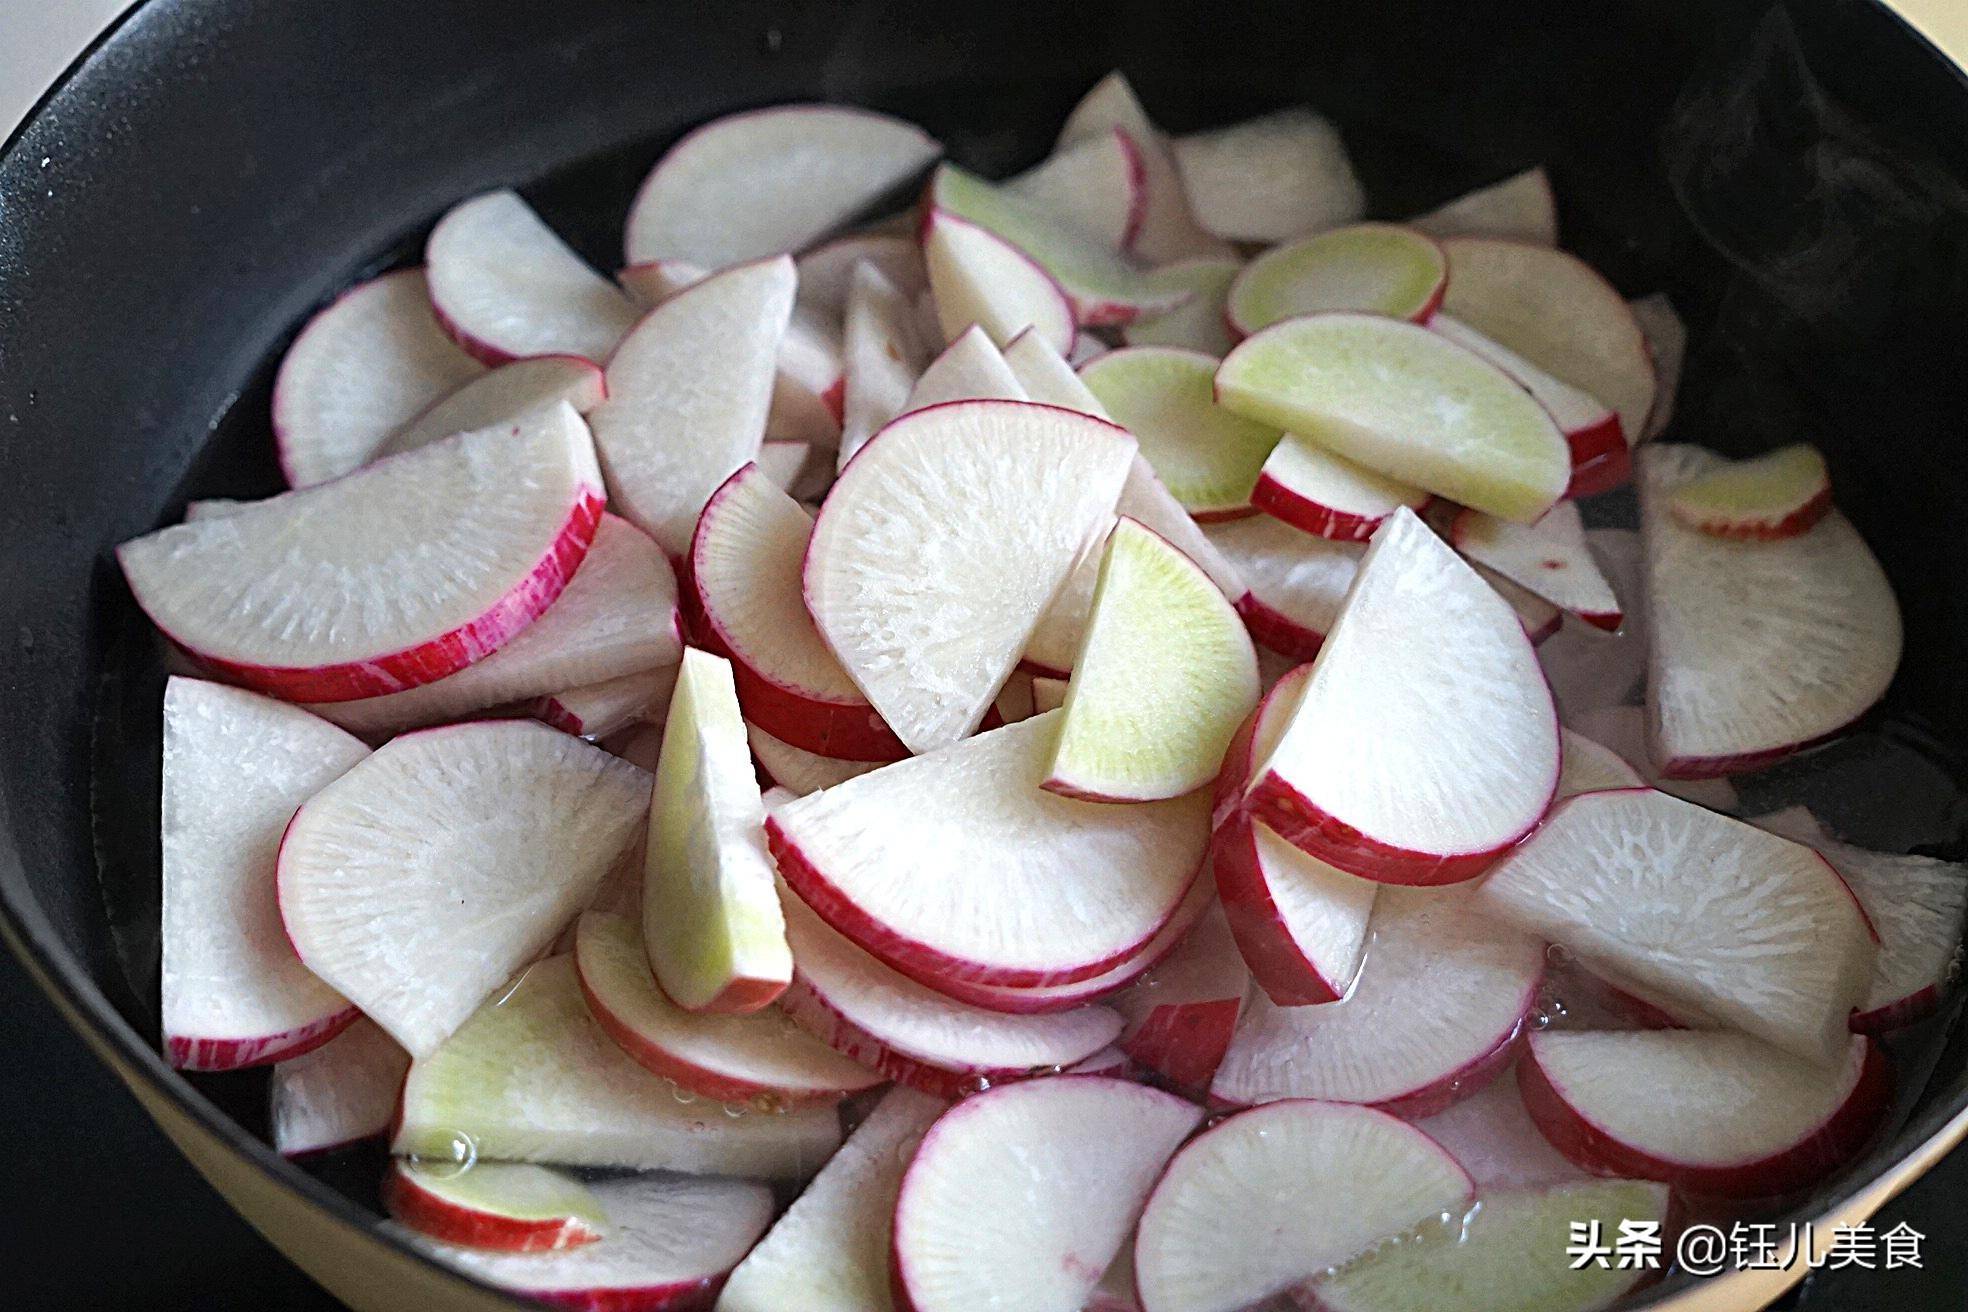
341 1093
1550 558
1521 207
501 395
1099 184
979 278
1168 230
1269 178
1198 325
1297 582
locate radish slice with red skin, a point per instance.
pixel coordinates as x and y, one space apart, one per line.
1199 325
1181 1015
1168 230
1328 496
1271 1196
1667 343
595 710
509 1207
469 539
799 771
1623 729
1369 268
1099 184
979 278
365 365
1759 649
341 1093
236 765
1066 1164
1521 206
1269 178
883 353
827 271
1778 495
502 395
1715 1113
1296 581
1549 558
1497 1142
1591 768
969 369
1207 456
1591 669
769 181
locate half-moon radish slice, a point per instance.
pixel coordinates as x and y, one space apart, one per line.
1370 268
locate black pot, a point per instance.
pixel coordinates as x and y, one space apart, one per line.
1796 177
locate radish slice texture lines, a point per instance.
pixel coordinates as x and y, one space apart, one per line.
341 1093
510 1207
501 395
883 352
1520 206
1371 268
1207 456
1778 495
1269 178
1549 558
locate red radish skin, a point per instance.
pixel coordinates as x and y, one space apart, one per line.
1274 498
1277 631
1294 818
188 1054
1181 1016
440 1218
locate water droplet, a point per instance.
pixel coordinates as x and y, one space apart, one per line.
681 1094
735 1110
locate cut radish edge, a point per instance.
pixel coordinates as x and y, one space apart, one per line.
1592 768
1208 457
596 710
503 1206
1180 1016
1328 496
1522 206
1778 495
1549 558
979 278
341 1093
1497 1142
1168 230
1369 268
826 273
502 396
1098 184
883 354
970 369
799 771
1296 582
1198 325
1045 375
1269 178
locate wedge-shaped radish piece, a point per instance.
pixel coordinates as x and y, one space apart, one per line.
1557 312
710 911
1591 768
1269 178
1714 1113
363 367
421 879
913 1034
1099 184
1181 1015
1778 495
1296 581
1667 343
1423 652
1407 403
826 272
1497 1142
1022 1196
745 567
688 393
1199 324
1272 1196
883 354
671 1241
1435 1010
1550 558
1655 890
1507 1256
979 278
1168 230
510 1207
970 369
1207 456
1326 495
1043 372
390 577
1370 268
341 1093
769 181
1162 678
1521 206
1048 694
503 395
617 616
532 1077
1623 729
235 766
830 1251
797 770
596 710
1757 649
929 610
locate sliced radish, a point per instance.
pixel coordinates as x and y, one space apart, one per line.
1589 668
1326 495
1592 768
532 1077
1712 1112
390 577
1408 404
670 1244
1778 495
1623 729
883 353
1369 268
970 369
1045 375
1297 581
979 278
791 468
1099 184
1522 206
503 395
770 181
1270 178
688 394
1022 1196
1423 653
1275 1195
1658 891
1180 1016
1047 694
1198 325
1163 676
1758 648
235 766
830 1251
1497 1142
1207 456
936 553
1087 347
363 367
1550 558
1667 343
911 1033
1168 230
341 1093
510 1207
826 273
799 771
426 875
595 710
1539 619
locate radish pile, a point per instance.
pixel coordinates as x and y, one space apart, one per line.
904 716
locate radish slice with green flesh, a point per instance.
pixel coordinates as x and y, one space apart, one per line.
1168 230
505 286
1269 178
1434 1012
1623 729
747 605
763 1060
365 365
1046 375
710 912
236 765
1098 184
1162 678
958 864
1206 455
1648 888
617 616
1557 312
1022 1196
468 540
1667 343
883 353
1549 558
688 395
1592 768
341 1093
1369 268
1778 495
503 395
829 1252
1758 648
532 1077
929 611
970 369
1715 1113
511 1207
1471 692
672 1240
1047 694
1326 495
1407 403
770 181
1521 206
1539 618
1296 581
1274 1195
979 278
799 771
1198 325
826 272
915 1035
1181 1014
1508 1255
421 879
595 710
